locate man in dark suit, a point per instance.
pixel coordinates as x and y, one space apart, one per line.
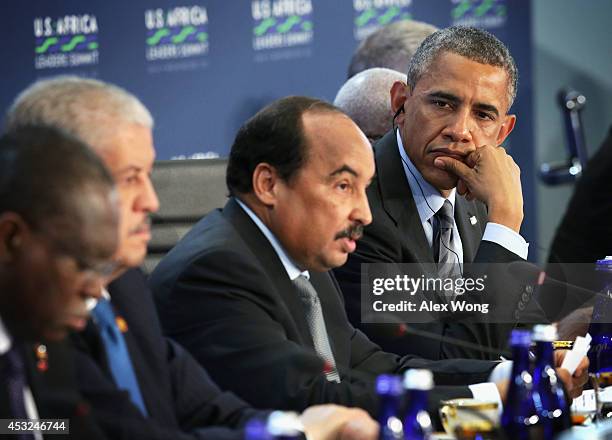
451 117
58 220
583 236
248 290
140 384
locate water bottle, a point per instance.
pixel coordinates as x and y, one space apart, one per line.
280 425
548 390
390 392
256 429
417 424
600 355
520 419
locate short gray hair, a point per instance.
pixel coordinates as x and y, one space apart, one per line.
474 44
86 108
366 99
392 46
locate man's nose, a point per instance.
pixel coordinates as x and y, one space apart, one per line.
459 128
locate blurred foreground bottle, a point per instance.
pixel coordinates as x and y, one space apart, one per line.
417 424
390 392
548 393
600 355
520 419
280 425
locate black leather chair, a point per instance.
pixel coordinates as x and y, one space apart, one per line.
187 190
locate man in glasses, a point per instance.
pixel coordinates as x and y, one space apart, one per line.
58 231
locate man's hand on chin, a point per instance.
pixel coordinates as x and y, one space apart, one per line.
490 175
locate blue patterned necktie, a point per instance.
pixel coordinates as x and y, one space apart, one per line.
14 379
117 353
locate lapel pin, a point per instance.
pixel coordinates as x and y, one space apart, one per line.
473 220
121 324
42 358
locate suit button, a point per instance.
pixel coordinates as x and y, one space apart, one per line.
529 289
525 297
521 306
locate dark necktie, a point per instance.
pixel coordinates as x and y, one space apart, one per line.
14 379
316 325
117 353
448 264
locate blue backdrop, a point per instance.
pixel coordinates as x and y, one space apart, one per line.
203 67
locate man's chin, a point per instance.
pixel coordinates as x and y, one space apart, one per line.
442 180
132 258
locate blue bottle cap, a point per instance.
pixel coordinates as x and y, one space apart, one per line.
520 337
604 264
256 429
389 384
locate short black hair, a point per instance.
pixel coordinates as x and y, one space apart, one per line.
472 43
275 135
42 169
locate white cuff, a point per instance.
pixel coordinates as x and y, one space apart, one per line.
507 238
487 392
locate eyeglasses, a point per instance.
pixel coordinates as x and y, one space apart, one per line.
91 267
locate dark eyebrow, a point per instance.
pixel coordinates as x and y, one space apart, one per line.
455 100
446 96
487 108
129 168
343 169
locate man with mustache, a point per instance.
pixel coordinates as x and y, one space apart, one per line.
58 232
442 168
248 290
140 384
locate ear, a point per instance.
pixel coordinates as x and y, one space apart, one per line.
12 234
505 129
265 183
399 94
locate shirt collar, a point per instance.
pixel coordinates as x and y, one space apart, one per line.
292 270
5 339
426 197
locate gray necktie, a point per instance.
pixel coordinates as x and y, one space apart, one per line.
316 324
448 264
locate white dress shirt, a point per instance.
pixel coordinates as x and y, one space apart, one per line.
292 270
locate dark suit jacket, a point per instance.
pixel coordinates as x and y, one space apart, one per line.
396 235
55 390
583 236
224 294
181 400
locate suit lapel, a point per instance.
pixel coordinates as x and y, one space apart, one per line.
397 201
265 253
465 214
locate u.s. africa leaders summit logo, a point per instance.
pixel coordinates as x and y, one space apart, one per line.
281 23
176 33
64 42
